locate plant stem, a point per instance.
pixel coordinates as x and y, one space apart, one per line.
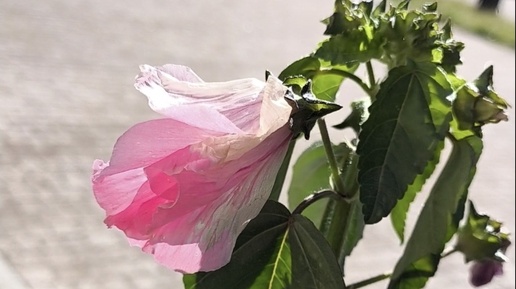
282 173
314 198
370 74
372 81
384 276
369 281
335 172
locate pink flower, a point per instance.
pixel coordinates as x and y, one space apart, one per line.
183 187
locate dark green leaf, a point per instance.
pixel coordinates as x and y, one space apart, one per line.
314 265
354 231
406 123
260 258
359 114
436 222
399 212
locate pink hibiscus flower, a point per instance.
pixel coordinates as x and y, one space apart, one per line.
183 187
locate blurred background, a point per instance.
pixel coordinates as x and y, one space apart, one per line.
66 94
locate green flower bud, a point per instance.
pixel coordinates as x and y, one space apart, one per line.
477 103
481 238
485 110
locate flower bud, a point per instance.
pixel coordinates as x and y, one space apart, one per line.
481 238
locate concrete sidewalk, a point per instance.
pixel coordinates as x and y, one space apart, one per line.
66 94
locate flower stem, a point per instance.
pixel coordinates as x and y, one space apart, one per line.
282 173
335 172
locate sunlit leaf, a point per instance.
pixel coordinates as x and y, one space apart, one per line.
437 221
261 257
406 123
326 78
399 212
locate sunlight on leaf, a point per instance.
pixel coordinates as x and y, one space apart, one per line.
407 122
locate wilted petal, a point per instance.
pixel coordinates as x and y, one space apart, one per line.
229 107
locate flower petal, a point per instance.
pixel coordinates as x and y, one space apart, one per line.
184 188
214 208
227 107
148 142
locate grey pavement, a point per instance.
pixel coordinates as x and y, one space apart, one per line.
66 94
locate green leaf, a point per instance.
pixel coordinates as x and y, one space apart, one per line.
354 231
277 274
303 67
260 258
417 273
438 220
326 78
406 123
345 50
399 212
358 115
311 173
314 265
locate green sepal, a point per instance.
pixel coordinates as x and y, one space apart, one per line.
307 109
482 238
477 103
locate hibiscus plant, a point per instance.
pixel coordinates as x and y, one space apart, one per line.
199 188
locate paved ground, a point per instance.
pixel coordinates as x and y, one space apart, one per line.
66 94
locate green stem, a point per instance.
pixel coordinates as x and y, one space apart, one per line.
370 74
335 172
369 281
349 75
372 81
338 227
314 198
384 276
282 173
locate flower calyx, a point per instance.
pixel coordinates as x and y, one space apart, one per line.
477 103
307 108
482 238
